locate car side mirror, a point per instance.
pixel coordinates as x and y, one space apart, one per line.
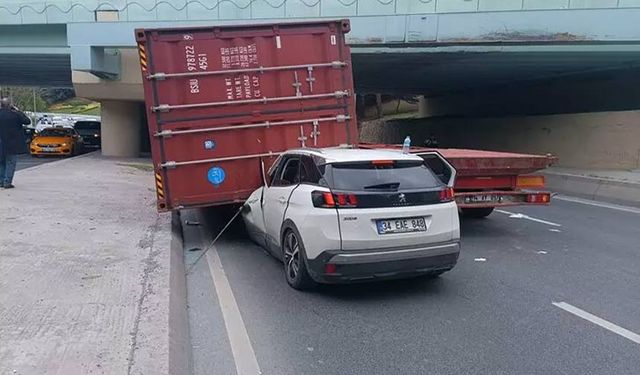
440 167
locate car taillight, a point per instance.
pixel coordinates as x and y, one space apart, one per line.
327 200
346 200
539 198
382 162
323 199
446 195
330 268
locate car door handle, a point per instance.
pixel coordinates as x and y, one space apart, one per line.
282 200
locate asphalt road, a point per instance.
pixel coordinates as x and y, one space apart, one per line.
27 161
493 314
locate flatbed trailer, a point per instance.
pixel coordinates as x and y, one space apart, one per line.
489 179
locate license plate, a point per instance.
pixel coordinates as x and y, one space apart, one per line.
49 149
484 198
405 225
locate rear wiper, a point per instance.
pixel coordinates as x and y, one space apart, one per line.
388 185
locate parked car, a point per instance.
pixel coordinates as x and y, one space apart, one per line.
340 215
48 123
57 141
90 132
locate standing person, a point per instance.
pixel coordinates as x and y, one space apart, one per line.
12 140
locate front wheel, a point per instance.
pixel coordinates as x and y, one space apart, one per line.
476 213
295 265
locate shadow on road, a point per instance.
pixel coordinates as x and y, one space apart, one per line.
383 290
215 218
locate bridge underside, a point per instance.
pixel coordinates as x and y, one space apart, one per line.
438 71
430 71
42 70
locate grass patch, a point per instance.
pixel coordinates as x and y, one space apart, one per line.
77 106
139 166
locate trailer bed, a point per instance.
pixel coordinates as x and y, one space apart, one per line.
483 163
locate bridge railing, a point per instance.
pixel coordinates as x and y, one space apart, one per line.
66 11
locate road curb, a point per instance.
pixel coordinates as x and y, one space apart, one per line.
179 339
594 188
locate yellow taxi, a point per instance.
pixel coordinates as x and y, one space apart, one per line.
56 141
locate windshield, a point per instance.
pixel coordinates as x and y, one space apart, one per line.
56 132
366 176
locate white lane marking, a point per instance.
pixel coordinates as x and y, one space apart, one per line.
243 354
599 321
480 259
527 217
555 230
542 252
598 204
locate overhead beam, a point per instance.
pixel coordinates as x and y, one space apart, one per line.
99 61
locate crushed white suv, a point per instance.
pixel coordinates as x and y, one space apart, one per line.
339 215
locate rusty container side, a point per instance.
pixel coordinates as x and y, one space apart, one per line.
222 101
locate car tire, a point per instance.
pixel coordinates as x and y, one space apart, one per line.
295 262
476 213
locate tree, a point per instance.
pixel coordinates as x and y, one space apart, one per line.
53 96
23 98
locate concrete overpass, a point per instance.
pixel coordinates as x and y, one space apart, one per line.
468 57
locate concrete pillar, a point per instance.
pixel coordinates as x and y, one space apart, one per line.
121 121
379 105
423 107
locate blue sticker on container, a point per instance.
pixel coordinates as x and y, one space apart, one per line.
209 145
216 175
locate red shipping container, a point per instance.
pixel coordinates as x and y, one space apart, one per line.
224 100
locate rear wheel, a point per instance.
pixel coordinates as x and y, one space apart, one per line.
295 265
476 213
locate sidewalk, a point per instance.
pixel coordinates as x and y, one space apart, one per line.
622 187
84 270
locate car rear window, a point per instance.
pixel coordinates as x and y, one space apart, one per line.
87 125
367 176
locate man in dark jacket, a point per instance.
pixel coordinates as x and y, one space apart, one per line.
12 140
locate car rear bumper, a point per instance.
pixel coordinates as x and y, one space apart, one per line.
387 263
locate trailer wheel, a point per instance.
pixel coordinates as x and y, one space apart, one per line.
476 213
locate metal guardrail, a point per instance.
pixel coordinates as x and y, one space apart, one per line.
321 8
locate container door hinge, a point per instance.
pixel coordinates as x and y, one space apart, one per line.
158 76
296 84
315 133
338 64
161 108
169 164
302 137
310 78
165 134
